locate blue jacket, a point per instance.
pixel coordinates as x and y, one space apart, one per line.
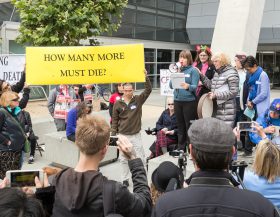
71 122
192 78
165 120
271 191
262 100
264 121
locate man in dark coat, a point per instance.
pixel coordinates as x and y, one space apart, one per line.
212 191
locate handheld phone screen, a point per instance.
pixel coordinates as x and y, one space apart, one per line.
244 126
21 179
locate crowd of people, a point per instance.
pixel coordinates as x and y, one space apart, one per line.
239 93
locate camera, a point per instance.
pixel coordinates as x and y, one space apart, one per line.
150 131
182 159
113 140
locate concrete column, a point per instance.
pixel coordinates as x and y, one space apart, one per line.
238 26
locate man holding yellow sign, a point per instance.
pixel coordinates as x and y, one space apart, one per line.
84 65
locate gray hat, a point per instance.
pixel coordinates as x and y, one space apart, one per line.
211 135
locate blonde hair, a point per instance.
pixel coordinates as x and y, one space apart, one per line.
7 97
222 57
155 194
267 160
92 134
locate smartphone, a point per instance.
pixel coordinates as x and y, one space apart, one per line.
245 126
22 178
113 140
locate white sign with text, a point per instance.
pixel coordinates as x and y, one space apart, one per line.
11 67
165 90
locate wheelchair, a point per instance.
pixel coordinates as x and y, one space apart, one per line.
152 148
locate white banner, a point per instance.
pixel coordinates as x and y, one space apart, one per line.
11 67
165 90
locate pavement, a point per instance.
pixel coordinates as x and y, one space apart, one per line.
152 109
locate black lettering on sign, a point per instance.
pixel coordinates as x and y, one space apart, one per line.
111 56
72 73
4 60
54 57
12 76
96 72
80 57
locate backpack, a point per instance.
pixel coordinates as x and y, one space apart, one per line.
109 205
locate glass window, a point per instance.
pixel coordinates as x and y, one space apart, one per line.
177 53
162 66
147 3
165 35
165 5
145 33
6 10
180 8
146 19
164 55
183 1
180 24
180 37
125 31
131 1
164 22
129 16
149 55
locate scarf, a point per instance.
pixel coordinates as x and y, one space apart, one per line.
253 87
203 70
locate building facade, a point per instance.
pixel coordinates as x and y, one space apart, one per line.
165 27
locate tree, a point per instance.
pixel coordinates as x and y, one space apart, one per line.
66 22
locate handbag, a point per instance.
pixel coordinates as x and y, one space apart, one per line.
26 145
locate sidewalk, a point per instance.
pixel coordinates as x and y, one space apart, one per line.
151 112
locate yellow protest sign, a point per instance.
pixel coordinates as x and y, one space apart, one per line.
85 65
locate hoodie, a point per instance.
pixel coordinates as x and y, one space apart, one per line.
84 193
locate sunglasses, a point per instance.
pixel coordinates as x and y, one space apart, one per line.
170 104
15 100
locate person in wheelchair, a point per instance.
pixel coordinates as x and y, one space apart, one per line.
166 131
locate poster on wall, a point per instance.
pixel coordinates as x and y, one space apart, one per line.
165 90
11 67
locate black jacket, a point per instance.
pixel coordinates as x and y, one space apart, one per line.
212 194
19 85
10 131
80 194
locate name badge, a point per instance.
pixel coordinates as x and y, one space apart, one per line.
187 75
133 107
258 82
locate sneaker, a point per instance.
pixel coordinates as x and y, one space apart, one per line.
31 160
126 183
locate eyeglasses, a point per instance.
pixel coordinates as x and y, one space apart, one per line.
202 55
170 104
15 100
76 89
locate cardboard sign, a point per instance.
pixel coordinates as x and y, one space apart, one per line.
85 65
165 90
11 67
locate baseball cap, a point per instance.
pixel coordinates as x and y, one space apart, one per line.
275 106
